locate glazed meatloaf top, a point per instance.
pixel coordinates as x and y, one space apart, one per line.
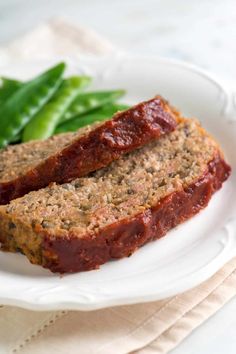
112 212
30 166
128 186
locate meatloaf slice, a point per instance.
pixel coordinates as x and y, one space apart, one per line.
111 213
34 165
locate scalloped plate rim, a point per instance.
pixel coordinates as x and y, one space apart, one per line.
103 301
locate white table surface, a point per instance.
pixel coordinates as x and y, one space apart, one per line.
199 31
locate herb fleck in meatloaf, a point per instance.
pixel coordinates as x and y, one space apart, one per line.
34 165
80 225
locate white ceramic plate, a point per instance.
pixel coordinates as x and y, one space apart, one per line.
190 253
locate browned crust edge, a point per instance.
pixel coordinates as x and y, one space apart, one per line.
71 254
127 131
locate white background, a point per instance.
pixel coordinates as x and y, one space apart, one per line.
199 31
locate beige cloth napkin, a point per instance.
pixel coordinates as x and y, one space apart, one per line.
155 327
54 39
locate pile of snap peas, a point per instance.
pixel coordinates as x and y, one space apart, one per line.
50 104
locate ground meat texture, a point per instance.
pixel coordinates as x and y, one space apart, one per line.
30 166
115 210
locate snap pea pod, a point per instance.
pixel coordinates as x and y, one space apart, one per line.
16 139
44 123
90 101
7 88
22 105
101 114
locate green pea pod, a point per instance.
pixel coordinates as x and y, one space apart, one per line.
42 125
7 88
16 139
90 101
22 105
101 114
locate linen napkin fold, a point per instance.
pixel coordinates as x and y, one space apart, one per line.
54 39
155 327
